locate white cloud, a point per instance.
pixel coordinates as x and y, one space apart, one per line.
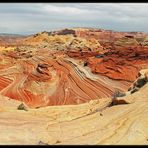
64 10
36 17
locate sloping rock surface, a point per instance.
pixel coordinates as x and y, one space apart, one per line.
95 122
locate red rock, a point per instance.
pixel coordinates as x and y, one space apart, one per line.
122 64
57 77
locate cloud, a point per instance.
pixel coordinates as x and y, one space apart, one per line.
67 10
29 18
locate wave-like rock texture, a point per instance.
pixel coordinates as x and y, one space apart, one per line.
121 64
65 67
92 123
74 86
51 78
124 54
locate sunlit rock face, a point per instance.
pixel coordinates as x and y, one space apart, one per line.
121 64
71 66
74 86
108 38
42 80
96 122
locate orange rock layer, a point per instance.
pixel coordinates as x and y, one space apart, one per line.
43 80
69 72
123 64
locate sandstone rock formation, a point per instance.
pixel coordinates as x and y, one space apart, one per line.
55 74
42 80
123 64
60 88
92 123
62 42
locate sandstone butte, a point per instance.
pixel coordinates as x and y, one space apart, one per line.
74 86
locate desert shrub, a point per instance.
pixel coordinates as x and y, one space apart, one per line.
118 93
141 82
134 90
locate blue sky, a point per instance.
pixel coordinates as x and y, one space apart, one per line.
29 18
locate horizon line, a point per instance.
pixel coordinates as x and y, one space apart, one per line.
52 30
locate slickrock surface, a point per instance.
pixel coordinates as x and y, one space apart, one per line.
46 75
123 64
52 68
95 122
41 80
74 86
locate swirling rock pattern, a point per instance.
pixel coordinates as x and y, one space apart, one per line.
48 68
43 80
59 88
122 64
90 123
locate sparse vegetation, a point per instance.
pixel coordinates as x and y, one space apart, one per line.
141 82
118 93
134 90
137 85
